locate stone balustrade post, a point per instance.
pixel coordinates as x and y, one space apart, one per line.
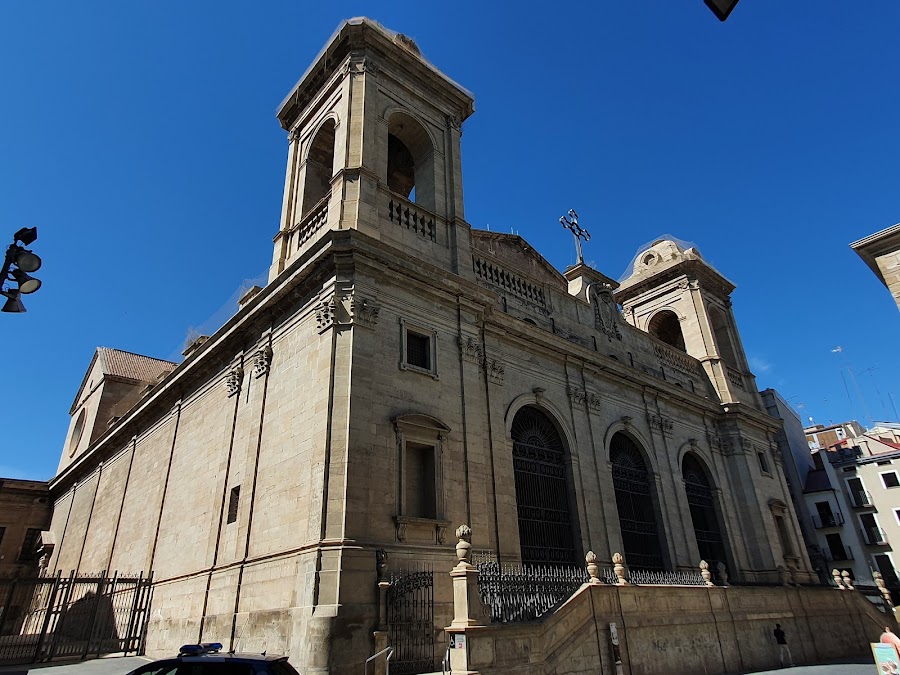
885 593
848 583
836 575
469 613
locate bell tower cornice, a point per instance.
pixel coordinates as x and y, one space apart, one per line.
357 47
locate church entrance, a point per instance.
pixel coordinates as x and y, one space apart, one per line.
542 493
634 500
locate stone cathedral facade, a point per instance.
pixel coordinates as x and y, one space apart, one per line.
401 374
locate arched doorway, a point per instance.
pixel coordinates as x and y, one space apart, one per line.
542 491
634 500
703 512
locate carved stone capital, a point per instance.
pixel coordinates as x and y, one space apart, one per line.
495 370
364 312
454 122
233 380
262 359
663 424
360 66
325 313
471 350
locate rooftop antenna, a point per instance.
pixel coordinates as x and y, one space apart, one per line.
571 224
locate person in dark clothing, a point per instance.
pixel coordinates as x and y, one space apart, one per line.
783 649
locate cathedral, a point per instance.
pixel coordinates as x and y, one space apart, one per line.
401 374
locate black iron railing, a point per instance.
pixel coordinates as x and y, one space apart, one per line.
524 592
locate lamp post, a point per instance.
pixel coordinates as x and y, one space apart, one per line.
17 264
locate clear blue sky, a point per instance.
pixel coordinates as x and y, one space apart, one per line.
140 137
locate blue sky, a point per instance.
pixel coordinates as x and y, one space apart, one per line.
141 139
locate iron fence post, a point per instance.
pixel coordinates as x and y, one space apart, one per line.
48 614
62 616
87 643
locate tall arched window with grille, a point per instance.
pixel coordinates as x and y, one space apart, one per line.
542 489
634 501
703 512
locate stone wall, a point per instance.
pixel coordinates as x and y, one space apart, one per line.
679 630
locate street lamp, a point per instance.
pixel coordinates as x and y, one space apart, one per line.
17 264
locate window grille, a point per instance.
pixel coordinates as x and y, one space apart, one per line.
542 494
637 520
418 350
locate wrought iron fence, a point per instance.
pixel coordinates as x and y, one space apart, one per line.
44 618
410 618
525 592
662 578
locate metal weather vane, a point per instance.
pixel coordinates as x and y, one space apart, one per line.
571 224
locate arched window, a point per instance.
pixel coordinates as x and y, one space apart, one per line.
665 326
637 517
723 337
319 167
410 160
542 493
703 513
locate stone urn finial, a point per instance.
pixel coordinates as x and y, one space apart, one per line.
705 573
722 573
592 568
619 569
882 588
464 545
836 575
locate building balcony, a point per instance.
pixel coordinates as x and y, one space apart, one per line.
832 520
837 554
874 536
860 499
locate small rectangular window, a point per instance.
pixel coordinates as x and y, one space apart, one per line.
763 462
2 532
890 480
29 546
233 502
418 350
885 462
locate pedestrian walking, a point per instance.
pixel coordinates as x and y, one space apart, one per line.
783 649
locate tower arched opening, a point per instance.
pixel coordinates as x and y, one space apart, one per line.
410 160
641 536
665 326
319 167
543 496
723 337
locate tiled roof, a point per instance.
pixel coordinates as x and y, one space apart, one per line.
132 366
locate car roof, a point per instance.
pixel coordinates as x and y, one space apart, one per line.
227 656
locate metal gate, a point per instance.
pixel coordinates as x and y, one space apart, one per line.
43 618
410 618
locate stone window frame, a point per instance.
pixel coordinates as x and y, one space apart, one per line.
787 537
423 430
407 326
763 462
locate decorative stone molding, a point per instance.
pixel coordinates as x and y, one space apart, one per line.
233 380
293 135
580 397
360 66
606 311
364 312
471 349
401 531
262 360
441 533
454 122
325 314
495 370
664 424
627 420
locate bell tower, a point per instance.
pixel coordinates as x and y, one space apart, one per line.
374 144
676 296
